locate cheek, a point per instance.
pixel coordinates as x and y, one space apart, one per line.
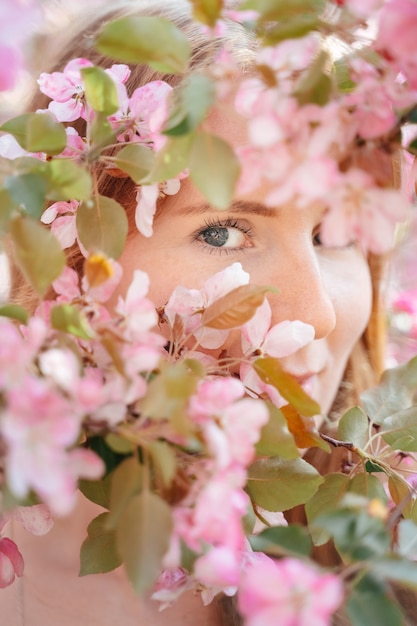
351 293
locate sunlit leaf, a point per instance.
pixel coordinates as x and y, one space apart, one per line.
401 493
100 90
369 603
291 28
102 226
191 104
354 427
71 319
68 180
146 39
400 430
37 132
235 308
143 536
28 191
315 85
171 160
272 373
278 484
14 312
214 169
406 544
126 482
98 552
207 11
136 160
120 444
270 10
283 540
276 439
303 429
38 252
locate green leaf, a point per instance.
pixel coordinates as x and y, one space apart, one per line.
38 252
279 540
235 308
136 160
272 373
28 191
271 10
143 537
276 439
119 444
98 491
100 90
7 206
171 160
191 104
98 551
341 72
126 482
278 484
357 535
102 226
37 132
326 498
68 180
14 312
396 569
146 39
165 461
291 28
369 603
393 394
111 458
354 427
214 169
207 11
400 430
71 319
407 539
101 134
315 85
304 429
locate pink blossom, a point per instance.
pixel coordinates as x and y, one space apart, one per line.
11 562
219 567
362 8
396 37
35 519
360 211
187 303
38 425
18 19
62 216
146 197
279 341
287 592
66 88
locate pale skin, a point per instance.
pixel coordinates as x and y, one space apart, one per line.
329 288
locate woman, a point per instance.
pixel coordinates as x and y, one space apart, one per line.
335 289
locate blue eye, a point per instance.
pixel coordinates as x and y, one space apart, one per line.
228 235
217 236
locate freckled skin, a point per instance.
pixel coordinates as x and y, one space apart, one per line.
329 288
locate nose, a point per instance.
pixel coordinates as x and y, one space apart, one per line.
302 290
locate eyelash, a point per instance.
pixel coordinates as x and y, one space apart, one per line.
218 223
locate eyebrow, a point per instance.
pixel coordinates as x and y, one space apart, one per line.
245 207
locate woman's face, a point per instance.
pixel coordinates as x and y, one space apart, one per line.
329 288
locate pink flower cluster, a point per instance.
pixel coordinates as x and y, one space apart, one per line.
288 592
